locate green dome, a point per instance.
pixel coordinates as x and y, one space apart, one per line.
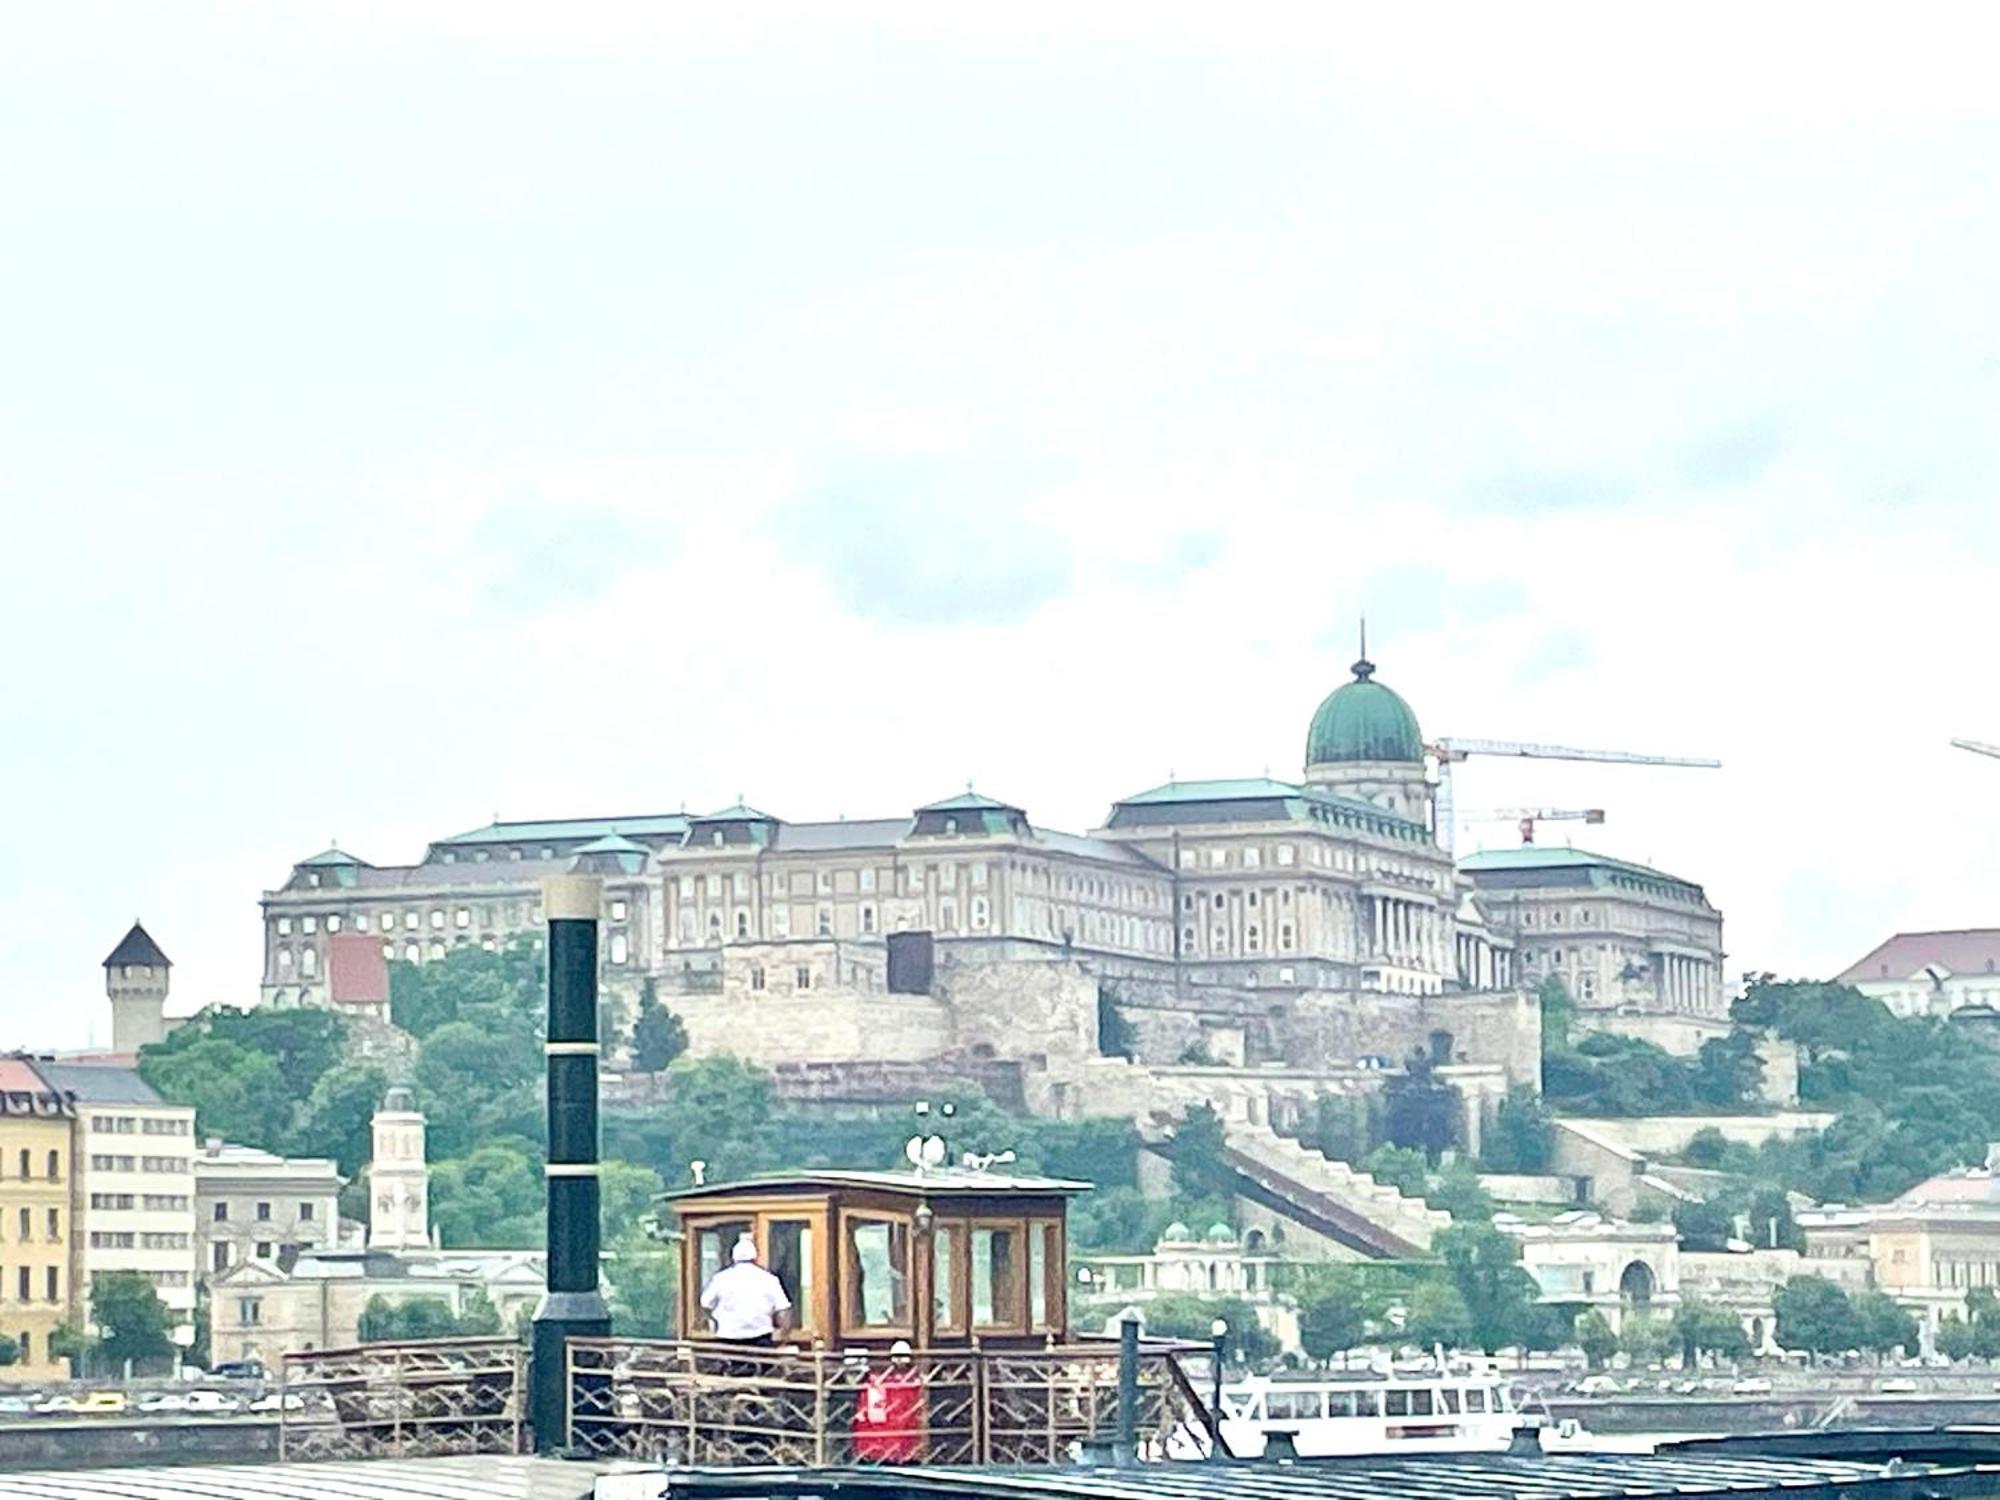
1363 720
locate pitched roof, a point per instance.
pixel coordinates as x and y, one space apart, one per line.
969 801
94 1083
736 812
335 856
1581 864
613 843
1226 789
138 947
1969 950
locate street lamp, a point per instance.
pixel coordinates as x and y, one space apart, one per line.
1218 1333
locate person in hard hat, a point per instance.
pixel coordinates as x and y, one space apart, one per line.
745 1303
890 1411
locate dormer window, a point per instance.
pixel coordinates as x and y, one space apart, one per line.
951 825
716 838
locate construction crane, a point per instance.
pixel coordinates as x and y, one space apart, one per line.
1448 752
1528 817
1979 747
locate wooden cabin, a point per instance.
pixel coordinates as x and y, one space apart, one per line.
941 1258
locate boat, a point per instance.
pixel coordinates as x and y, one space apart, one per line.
1430 1412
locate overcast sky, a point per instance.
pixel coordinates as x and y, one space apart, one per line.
411 412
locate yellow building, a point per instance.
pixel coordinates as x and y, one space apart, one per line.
36 1128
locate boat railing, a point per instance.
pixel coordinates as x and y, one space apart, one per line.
712 1404
420 1399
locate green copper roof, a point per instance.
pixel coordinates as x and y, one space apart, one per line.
330 857
658 824
969 801
736 812
1581 864
1259 799
1229 789
612 843
1363 721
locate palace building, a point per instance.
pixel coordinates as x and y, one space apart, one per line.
1335 882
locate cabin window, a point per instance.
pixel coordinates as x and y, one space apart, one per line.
1346 1404
713 1244
1451 1400
944 1282
1398 1403
1041 1255
1292 1406
878 1273
996 1278
1420 1404
790 1259
1475 1400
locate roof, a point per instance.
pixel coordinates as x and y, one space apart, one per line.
613 843
1228 789
944 1183
969 801
1968 1188
23 1092
1259 799
1966 950
94 1083
330 857
1364 721
1469 1476
137 947
638 825
1542 858
869 833
737 812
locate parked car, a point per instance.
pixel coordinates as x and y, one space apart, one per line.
15 1406
279 1401
238 1369
55 1406
1755 1385
210 1402
165 1401
102 1404
1897 1387
1596 1385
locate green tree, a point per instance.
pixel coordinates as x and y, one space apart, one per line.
237 1094
1420 1109
505 990
1457 1190
1339 1128
658 1037
1881 1327
1699 1327
1181 1315
385 1321
1483 1266
1595 1338
642 1275
625 1193
10 1351
1702 1225
1815 1315
491 1198
338 1116
1437 1315
133 1324
1955 1338
477 1316
1332 1318
1115 1034
1402 1167
1523 1135
1707 1147
1729 1072
1642 1339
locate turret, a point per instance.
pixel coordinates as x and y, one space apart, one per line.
136 978
398 1178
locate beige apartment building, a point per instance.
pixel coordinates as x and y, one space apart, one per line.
132 1198
255 1206
37 1277
1335 881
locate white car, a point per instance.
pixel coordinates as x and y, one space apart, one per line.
55 1406
1756 1385
211 1402
279 1401
166 1401
1897 1387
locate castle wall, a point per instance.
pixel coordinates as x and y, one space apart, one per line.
773 1027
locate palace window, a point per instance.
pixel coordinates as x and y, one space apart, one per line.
1252 858
284 927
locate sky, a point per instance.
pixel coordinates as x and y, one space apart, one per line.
414 412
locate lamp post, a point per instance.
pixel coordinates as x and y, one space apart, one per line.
1218 1334
572 1307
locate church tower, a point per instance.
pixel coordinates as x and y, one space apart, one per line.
136 979
399 1181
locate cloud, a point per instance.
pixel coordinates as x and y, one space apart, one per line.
1559 651
914 540
542 555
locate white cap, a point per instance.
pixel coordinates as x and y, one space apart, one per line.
746 1249
901 1346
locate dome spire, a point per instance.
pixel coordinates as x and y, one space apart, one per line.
1364 668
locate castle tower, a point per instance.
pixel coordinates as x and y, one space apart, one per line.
136 979
399 1181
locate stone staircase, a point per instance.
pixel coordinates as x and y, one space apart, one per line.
1381 1204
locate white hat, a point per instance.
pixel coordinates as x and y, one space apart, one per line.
901 1346
746 1249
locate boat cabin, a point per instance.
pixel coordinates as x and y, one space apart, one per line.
941 1258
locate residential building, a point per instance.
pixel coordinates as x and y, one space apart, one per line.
257 1206
131 1202
37 1281
1932 973
1623 938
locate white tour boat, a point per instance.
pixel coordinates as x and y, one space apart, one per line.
1428 1412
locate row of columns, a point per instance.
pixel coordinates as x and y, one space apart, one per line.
1406 932
1683 982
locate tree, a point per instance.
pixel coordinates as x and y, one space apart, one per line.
1595 1338
1115 1034
1814 1315
504 990
1729 1071
1404 1168
1703 1224
1458 1191
1484 1267
1437 1315
1881 1326
237 1094
658 1037
1699 1326
1707 1147
490 1198
477 1316
1331 1318
133 1324
642 1275
1198 1147
339 1114
10 1351
1641 1339
1339 1128
1955 1338
383 1321
1181 1315
1523 1136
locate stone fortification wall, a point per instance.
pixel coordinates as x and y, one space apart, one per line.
770 1027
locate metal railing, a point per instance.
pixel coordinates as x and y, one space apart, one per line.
711 1404
413 1400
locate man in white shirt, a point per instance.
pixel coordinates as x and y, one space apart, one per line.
745 1303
